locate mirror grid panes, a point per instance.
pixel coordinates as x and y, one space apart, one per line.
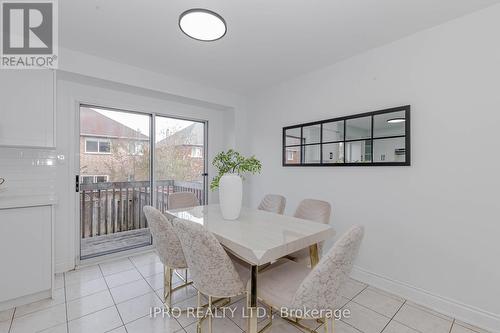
358 151
292 155
333 131
372 138
292 137
311 134
389 150
389 124
358 128
333 153
311 154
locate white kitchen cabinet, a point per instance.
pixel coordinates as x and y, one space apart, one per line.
27 112
26 254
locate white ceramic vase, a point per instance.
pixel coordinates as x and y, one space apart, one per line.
230 195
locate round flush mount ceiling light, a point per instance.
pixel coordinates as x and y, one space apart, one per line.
396 120
202 24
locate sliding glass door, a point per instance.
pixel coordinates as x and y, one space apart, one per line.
179 159
125 165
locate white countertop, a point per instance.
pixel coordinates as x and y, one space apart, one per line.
257 236
19 201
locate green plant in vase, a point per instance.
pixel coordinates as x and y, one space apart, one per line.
231 167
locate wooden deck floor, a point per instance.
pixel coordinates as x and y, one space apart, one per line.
106 244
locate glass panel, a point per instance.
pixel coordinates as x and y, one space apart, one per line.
333 131
104 146
292 155
91 146
358 128
389 124
111 217
389 150
333 153
311 154
179 159
292 137
311 134
358 151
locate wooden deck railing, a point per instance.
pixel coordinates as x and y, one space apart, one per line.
107 208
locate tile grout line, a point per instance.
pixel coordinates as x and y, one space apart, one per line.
66 303
383 315
144 278
390 320
109 291
154 291
430 311
12 320
366 287
452 324
357 329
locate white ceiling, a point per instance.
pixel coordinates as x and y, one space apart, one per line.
267 40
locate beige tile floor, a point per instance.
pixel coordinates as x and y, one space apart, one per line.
117 296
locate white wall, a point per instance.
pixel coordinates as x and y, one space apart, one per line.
432 229
72 89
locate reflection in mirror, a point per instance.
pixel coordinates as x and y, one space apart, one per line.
292 155
389 124
333 131
311 154
359 128
389 150
333 153
311 134
292 137
358 151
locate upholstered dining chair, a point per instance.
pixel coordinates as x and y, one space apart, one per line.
213 273
273 203
169 250
178 200
316 211
298 289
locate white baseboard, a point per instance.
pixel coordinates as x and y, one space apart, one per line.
5 305
446 306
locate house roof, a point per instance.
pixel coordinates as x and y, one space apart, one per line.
93 123
192 135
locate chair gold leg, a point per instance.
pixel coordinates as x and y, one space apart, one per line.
198 324
314 255
329 325
270 317
167 286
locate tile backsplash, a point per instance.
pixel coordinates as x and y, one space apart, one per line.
28 171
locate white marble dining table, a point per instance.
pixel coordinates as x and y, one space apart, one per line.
258 237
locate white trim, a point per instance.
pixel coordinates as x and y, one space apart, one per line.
444 305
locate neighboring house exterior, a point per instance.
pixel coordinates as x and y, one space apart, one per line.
111 151
181 154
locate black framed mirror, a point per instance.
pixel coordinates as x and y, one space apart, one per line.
378 138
